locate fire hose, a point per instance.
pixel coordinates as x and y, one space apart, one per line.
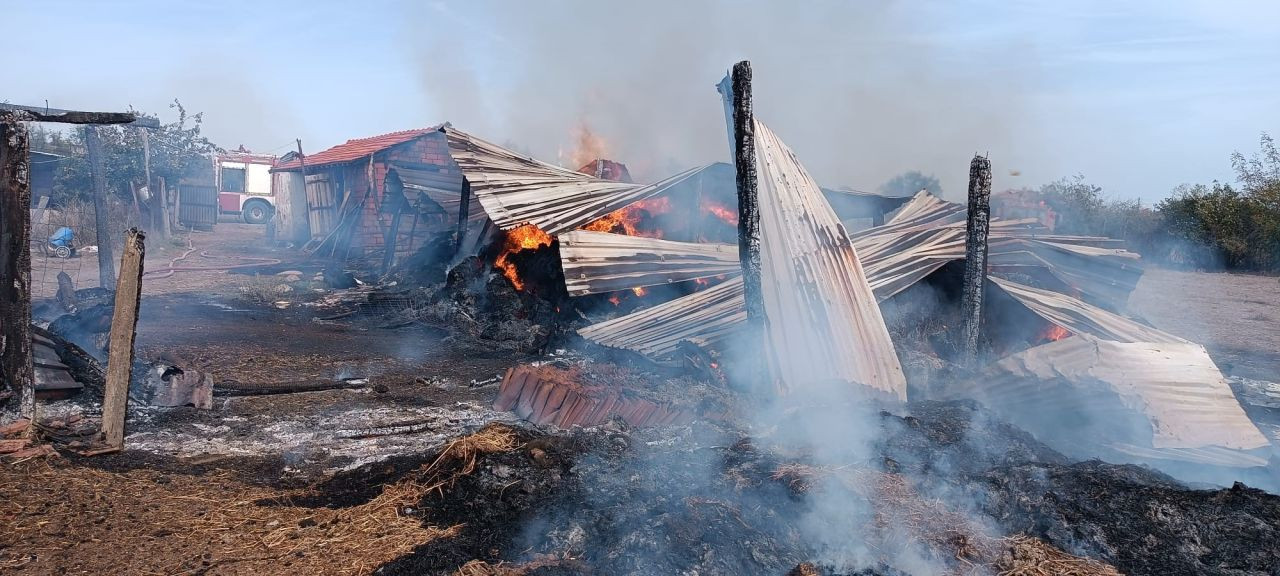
171 269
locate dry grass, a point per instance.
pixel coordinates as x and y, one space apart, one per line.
941 528
56 518
482 568
1027 556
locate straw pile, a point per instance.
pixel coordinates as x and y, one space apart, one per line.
55 517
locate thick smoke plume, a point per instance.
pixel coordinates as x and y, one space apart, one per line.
850 87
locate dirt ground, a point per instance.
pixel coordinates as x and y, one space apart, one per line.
1235 316
182 498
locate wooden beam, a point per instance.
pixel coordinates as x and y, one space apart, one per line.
744 155
464 211
15 264
102 216
42 114
124 324
977 229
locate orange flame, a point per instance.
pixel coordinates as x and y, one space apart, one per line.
526 237
639 290
615 299
1054 333
627 219
728 215
590 146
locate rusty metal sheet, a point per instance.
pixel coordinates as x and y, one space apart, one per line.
596 262
516 190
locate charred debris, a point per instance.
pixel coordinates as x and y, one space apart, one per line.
716 373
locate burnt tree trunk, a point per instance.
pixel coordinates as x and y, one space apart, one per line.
975 256
102 217
124 325
744 155
15 264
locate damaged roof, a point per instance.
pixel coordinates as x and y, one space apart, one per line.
516 190
822 319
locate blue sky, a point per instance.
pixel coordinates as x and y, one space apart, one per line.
1137 96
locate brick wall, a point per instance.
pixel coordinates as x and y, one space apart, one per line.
368 239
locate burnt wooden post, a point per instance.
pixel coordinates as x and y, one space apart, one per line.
102 216
975 256
744 156
15 262
124 325
464 212
16 362
393 192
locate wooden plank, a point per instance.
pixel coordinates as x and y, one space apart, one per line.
123 330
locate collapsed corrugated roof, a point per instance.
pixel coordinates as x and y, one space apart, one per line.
821 318
1162 379
1152 399
515 189
596 262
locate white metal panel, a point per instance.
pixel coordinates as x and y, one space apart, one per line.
257 179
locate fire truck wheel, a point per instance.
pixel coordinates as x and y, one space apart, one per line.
256 212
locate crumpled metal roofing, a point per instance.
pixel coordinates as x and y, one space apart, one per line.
1161 399
704 318
822 321
596 262
516 190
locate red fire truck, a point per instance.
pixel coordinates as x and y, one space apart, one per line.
244 185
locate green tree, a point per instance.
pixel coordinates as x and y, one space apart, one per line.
178 150
910 182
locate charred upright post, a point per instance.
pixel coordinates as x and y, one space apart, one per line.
15 262
975 255
124 325
106 267
744 155
464 212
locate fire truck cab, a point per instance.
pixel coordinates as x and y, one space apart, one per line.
244 185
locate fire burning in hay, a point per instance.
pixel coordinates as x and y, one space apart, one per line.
527 237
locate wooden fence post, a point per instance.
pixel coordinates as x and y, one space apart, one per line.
102 216
120 345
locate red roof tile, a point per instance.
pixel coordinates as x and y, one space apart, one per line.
356 149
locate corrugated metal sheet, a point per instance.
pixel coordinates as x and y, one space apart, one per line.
1189 409
1082 318
442 189
822 320
596 262
704 318
516 190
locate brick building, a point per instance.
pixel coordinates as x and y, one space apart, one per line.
397 189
